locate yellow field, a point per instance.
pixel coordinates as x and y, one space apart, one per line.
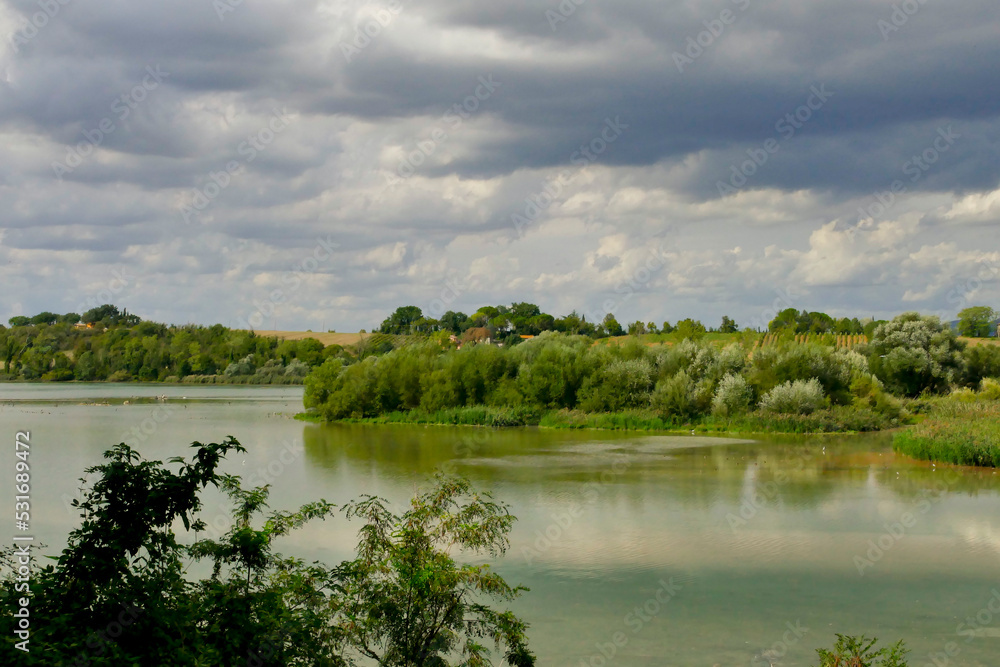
343 339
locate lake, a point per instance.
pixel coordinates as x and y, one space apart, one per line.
638 549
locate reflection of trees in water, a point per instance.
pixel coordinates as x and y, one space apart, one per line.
634 468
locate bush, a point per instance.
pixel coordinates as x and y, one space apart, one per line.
914 354
619 385
990 389
861 652
679 396
733 396
296 369
242 367
119 376
801 397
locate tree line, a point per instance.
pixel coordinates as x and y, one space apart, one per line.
509 323
907 357
119 346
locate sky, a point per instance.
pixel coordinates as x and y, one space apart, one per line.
297 164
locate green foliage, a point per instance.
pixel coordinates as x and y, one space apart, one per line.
405 601
981 361
977 322
690 329
914 355
119 594
959 432
131 349
800 397
678 397
861 652
733 396
401 321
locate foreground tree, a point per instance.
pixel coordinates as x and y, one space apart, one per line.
119 594
407 603
861 652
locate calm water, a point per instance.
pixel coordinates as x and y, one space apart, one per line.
742 541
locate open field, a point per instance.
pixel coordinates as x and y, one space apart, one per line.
342 339
346 339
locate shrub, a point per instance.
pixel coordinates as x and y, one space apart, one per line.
914 354
800 397
964 394
620 385
869 393
242 367
861 652
119 376
678 396
733 396
990 389
296 369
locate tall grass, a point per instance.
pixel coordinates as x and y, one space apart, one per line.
959 432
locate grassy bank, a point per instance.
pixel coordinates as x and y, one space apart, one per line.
834 420
955 431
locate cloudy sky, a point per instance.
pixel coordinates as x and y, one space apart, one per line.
316 164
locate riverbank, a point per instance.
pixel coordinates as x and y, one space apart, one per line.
839 419
962 432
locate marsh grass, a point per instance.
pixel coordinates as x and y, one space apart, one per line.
955 431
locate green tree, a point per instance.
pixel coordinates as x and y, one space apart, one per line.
914 354
611 326
19 321
977 322
453 321
45 318
690 329
399 322
786 319
405 601
728 325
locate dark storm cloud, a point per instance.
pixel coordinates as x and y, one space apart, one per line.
894 80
